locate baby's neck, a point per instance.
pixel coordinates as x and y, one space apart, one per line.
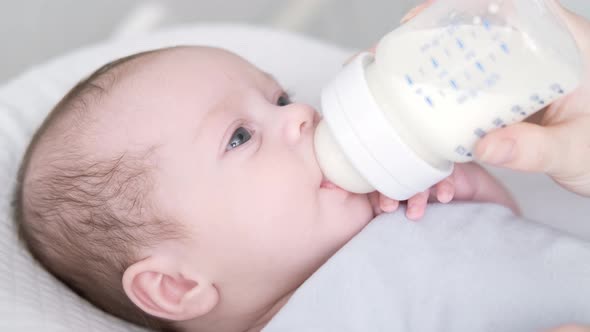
252 322
270 313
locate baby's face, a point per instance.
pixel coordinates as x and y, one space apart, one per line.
236 166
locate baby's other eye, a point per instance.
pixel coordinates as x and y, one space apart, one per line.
239 137
284 100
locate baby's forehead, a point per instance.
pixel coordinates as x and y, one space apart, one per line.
181 77
172 92
198 63
187 74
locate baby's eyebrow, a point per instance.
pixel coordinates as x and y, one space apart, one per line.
269 76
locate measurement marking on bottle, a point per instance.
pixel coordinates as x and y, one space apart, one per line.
434 62
480 132
557 88
518 109
536 98
461 150
460 44
487 24
454 84
505 48
409 80
480 67
429 101
491 81
498 122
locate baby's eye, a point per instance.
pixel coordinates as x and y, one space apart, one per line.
240 136
284 100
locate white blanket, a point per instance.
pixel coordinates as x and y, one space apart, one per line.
463 268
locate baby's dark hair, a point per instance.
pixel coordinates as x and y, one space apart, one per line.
86 216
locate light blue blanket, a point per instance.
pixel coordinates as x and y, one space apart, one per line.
466 267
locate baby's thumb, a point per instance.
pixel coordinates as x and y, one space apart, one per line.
522 146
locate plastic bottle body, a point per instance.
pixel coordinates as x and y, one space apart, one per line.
458 83
439 84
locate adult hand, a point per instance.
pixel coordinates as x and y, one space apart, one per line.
555 141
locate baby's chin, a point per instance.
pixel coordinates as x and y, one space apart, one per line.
348 210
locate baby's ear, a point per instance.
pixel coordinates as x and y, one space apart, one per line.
161 290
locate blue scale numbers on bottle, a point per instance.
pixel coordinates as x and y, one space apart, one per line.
479 71
517 109
537 99
499 123
463 151
480 132
556 87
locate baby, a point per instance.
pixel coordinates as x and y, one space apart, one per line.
178 189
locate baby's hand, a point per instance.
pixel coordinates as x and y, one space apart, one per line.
468 182
444 192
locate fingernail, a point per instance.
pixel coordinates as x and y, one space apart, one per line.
445 197
412 213
498 153
386 207
389 206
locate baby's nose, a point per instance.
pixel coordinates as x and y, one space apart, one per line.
300 119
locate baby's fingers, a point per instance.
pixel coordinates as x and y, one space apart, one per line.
374 198
387 204
417 205
445 190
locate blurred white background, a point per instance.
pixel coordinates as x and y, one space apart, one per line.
32 31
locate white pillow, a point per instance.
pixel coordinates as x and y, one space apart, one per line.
31 299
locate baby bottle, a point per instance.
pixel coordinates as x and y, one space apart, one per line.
396 122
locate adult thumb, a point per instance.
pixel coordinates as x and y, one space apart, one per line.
522 146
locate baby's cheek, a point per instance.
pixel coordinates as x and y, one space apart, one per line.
365 208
